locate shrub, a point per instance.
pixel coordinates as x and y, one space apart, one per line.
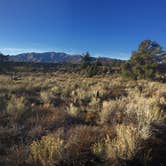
16 107
78 147
98 149
125 145
73 110
112 111
56 90
16 104
47 152
145 110
46 97
91 70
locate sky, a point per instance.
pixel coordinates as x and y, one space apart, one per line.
110 28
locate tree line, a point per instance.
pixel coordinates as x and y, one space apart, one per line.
145 63
148 62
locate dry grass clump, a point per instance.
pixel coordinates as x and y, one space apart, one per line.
78 146
56 90
140 112
113 111
16 105
95 103
125 145
146 110
73 110
46 97
46 152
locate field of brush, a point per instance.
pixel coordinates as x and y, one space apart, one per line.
62 119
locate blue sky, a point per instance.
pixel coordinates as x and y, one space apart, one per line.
111 28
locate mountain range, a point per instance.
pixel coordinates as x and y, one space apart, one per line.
53 57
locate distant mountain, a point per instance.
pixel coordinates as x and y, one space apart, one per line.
46 57
53 57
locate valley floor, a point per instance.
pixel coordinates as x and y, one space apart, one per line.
60 119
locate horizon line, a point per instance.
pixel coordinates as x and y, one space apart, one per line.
16 51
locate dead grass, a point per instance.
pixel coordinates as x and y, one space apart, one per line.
102 120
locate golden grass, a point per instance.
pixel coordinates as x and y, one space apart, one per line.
47 152
103 118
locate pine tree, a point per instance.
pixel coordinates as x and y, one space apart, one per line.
143 62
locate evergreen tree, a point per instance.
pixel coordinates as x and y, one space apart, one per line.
86 60
143 62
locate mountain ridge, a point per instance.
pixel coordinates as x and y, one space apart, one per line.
54 57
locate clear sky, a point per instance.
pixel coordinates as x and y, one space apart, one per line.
103 27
